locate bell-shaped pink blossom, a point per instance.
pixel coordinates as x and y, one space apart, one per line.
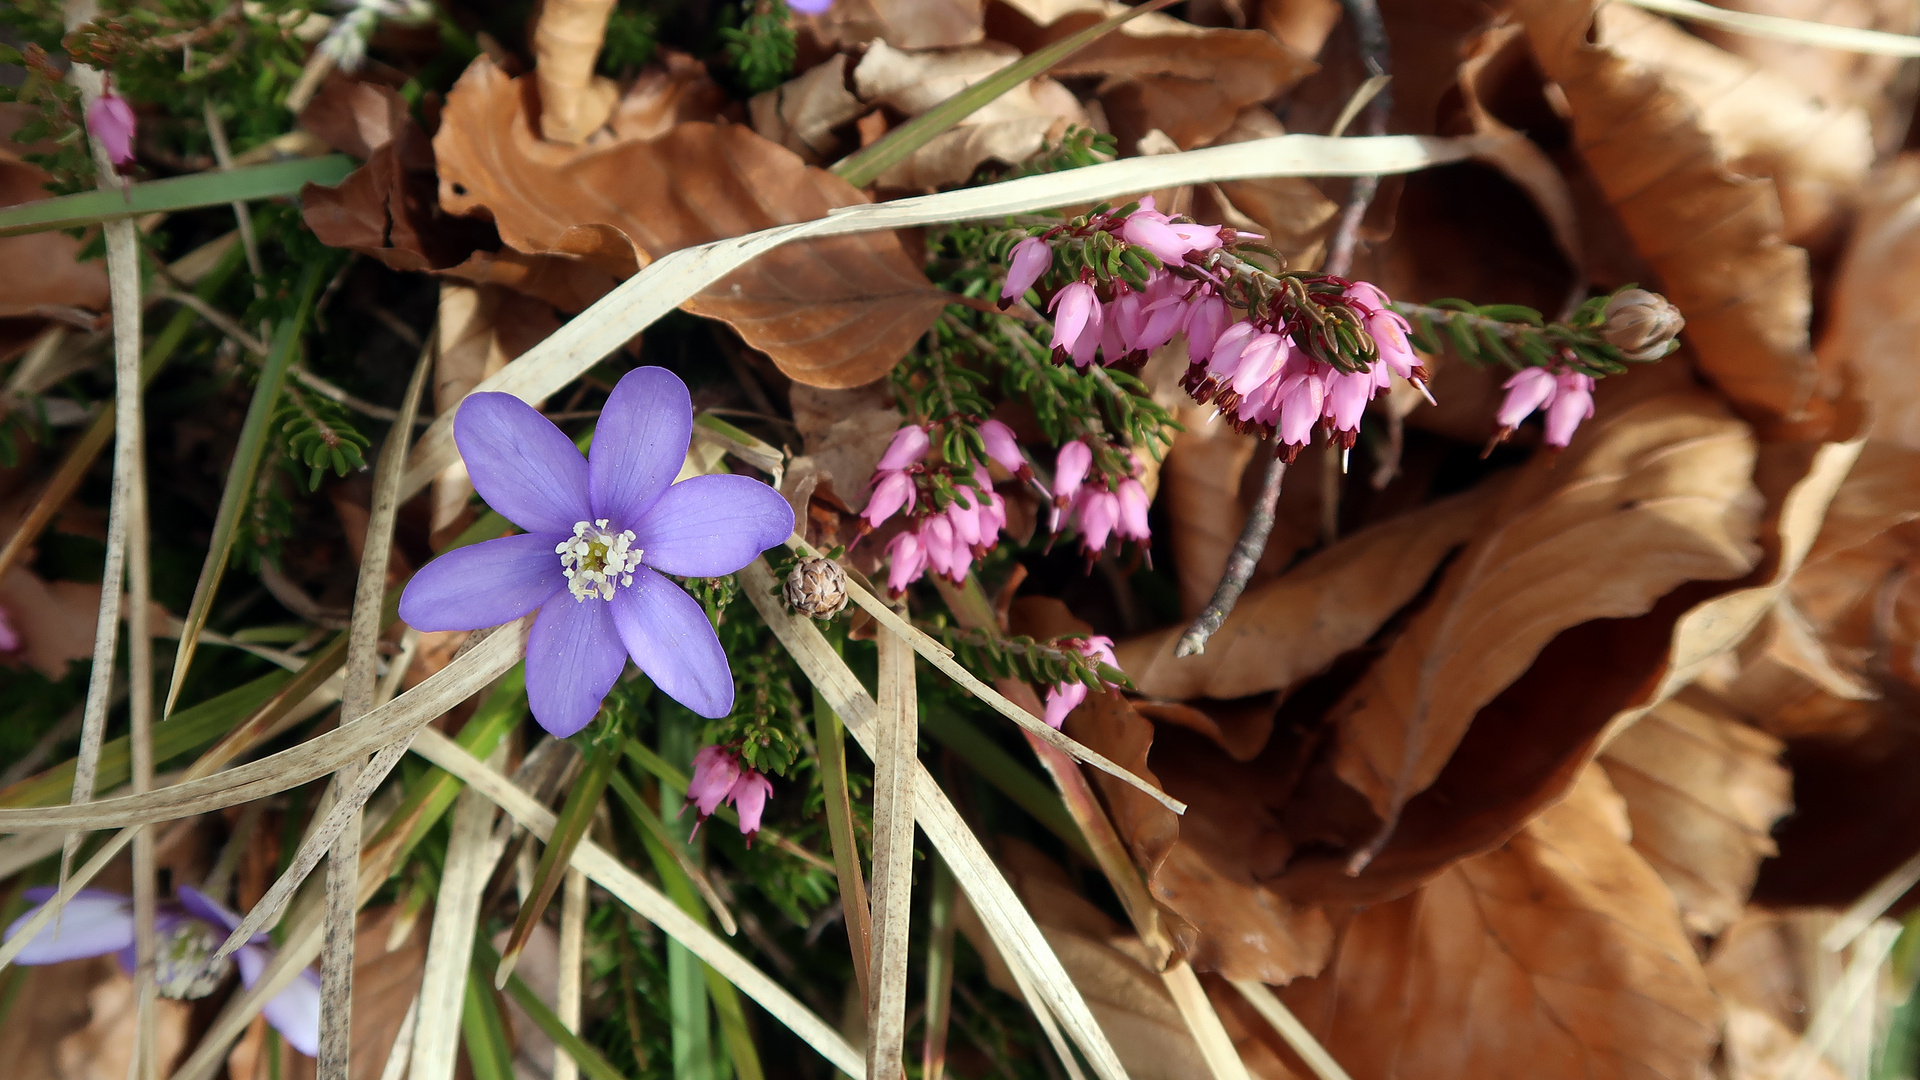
1224 363
715 770
1206 318
1302 397
1061 700
1529 389
1076 310
909 445
1150 230
1572 403
892 492
906 561
1126 322
1347 395
964 515
1031 258
1070 469
9 637
1197 237
1133 510
749 796
1260 362
1003 448
110 119
1097 514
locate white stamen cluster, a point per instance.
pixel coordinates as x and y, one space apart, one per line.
596 560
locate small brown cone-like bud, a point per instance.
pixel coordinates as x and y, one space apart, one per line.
817 588
1641 323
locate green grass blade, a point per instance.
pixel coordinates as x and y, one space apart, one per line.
855 913
864 167
484 1028
240 476
179 193
590 1060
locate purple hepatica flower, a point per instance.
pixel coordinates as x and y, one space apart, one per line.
810 7
600 533
99 923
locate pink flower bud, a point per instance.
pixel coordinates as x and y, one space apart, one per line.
749 797
1031 258
111 120
1572 403
942 549
964 515
1133 510
1302 398
907 560
909 445
1061 700
892 492
1389 333
1002 447
715 770
1529 389
1074 308
1206 319
1070 469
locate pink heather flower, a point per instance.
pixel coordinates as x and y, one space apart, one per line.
909 445
9 637
907 561
188 928
715 770
1261 362
1004 449
1347 395
1031 258
1067 696
1302 397
749 796
892 492
1126 322
1070 469
1197 237
1385 326
1150 229
1528 390
1133 511
1076 315
1207 318
602 533
111 120
1572 403
1224 362
1096 513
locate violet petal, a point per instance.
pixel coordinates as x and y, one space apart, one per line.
706 526
640 444
521 464
484 584
668 635
93 923
573 656
293 1012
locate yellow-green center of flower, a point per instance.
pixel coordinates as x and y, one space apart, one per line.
596 561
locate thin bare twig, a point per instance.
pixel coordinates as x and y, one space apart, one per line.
1371 35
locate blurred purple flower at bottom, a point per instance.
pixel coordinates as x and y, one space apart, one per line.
98 923
601 532
810 7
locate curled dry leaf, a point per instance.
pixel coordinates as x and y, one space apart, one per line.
835 312
844 433
802 113
1873 328
1558 954
1159 72
1204 865
1652 496
1716 239
481 328
44 278
675 89
1292 627
1009 129
1703 790
103 1049
903 24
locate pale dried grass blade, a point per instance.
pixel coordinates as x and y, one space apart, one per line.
1797 31
1833 1012
938 655
301 948
402 1050
1216 1046
630 889
896 753
1291 1029
1023 980
359 695
573 931
74 883
675 278
1011 926
456 914
297 765
1872 904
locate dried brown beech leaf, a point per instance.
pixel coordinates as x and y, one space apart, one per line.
1292 627
1703 790
1009 129
1873 328
55 619
835 312
674 89
1559 954
844 432
1202 865
1188 81
903 24
1653 495
1715 238
45 279
802 114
